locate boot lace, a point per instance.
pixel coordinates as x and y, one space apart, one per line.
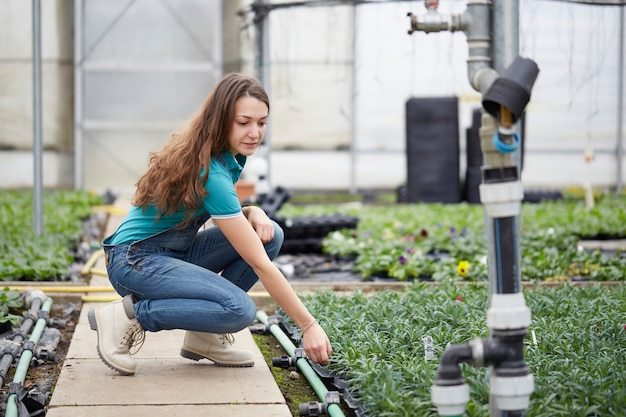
228 338
134 338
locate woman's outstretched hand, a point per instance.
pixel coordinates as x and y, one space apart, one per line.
315 341
316 344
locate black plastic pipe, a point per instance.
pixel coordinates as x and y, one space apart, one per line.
449 371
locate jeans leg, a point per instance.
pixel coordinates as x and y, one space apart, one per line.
175 294
210 249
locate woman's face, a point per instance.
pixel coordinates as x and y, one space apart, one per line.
248 128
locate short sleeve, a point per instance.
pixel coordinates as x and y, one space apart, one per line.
222 201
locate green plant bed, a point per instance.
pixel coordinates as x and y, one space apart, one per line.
26 257
575 347
447 241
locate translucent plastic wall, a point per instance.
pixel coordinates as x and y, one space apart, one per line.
341 76
142 68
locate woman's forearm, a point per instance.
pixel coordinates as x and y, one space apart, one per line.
284 295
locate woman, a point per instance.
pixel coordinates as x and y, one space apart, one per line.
171 274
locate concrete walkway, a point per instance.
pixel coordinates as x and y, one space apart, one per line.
165 384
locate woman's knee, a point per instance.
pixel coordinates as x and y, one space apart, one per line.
273 246
245 312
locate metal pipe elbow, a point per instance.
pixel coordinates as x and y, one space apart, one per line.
481 75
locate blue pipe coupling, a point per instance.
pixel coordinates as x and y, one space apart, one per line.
506 140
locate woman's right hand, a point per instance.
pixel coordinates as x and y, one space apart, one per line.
316 344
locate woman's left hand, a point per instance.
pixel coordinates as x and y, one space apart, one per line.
261 223
316 344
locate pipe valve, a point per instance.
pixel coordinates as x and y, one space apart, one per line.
431 21
315 408
259 328
286 362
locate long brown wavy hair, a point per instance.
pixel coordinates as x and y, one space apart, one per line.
173 175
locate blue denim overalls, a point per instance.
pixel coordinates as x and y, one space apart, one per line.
187 279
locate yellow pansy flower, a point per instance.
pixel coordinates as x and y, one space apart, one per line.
462 268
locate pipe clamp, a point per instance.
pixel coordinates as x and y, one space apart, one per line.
512 393
502 199
450 400
508 311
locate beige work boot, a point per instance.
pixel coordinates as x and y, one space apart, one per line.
118 333
215 347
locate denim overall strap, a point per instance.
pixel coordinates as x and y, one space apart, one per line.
175 238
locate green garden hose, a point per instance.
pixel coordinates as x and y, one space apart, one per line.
334 410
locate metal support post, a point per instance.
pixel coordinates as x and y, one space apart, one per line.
37 127
79 154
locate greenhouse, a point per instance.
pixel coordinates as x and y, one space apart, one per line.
313 208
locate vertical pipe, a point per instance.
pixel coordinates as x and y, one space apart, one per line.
353 147
505 49
37 129
620 103
218 44
505 256
506 42
505 33
78 95
263 73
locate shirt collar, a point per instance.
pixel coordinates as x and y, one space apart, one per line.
235 163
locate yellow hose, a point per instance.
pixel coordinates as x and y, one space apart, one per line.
110 298
100 299
58 288
88 267
110 209
75 289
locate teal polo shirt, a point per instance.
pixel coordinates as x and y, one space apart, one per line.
221 202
